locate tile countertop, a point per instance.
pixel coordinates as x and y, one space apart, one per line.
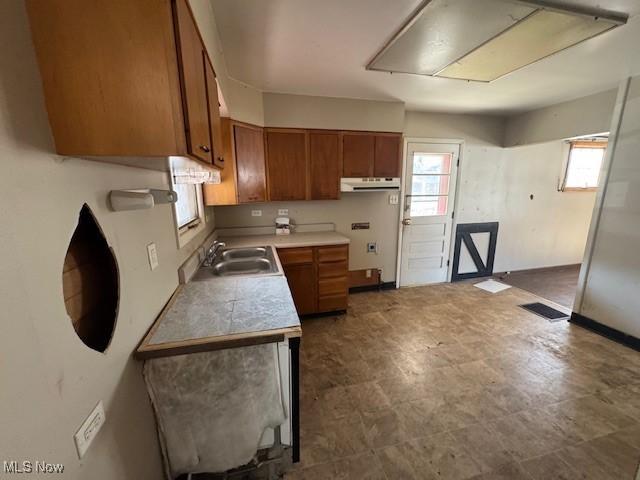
215 313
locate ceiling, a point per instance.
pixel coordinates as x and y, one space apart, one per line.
308 47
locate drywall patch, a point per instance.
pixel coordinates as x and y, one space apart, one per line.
90 283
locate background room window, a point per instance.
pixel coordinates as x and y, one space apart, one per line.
583 165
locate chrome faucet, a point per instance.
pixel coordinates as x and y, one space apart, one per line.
212 253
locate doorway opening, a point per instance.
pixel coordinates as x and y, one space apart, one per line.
583 159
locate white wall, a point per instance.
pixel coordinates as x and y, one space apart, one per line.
282 110
549 230
583 116
495 184
610 294
370 207
50 380
243 101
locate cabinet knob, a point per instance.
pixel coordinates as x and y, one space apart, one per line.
221 159
204 148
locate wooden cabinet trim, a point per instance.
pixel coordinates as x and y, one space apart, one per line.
281 186
251 177
325 164
333 269
387 155
333 253
296 256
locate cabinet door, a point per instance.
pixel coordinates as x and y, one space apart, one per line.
325 165
215 127
357 154
194 91
387 156
303 285
286 164
226 192
249 150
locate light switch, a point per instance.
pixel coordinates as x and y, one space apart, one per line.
89 429
256 213
152 253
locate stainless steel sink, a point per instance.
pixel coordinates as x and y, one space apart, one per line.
240 253
241 261
249 266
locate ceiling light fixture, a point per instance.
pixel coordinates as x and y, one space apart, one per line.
484 40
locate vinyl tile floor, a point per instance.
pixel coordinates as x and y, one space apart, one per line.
451 382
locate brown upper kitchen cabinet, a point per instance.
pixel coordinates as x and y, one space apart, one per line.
386 160
357 154
371 154
287 165
250 163
194 87
225 192
325 165
215 125
124 79
243 179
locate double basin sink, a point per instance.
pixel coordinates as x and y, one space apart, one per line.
243 261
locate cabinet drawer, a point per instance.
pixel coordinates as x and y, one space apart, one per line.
333 269
333 286
333 253
333 303
293 256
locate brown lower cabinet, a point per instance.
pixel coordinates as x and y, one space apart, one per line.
318 277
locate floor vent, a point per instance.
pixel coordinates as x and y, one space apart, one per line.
545 311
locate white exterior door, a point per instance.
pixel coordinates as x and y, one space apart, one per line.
430 186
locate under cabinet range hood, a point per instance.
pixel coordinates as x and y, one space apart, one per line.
373 184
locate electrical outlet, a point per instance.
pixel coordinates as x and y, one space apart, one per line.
393 199
372 247
283 212
152 253
256 213
89 429
368 273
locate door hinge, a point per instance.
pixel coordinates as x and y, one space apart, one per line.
447 263
453 213
458 163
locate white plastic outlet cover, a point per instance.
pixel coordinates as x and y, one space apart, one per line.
89 429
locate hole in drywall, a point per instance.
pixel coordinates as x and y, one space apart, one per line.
90 283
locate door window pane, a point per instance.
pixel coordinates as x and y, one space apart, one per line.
428 206
438 163
430 184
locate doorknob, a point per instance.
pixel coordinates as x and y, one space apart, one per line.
406 221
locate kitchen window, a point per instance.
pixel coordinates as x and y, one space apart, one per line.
187 178
187 206
583 166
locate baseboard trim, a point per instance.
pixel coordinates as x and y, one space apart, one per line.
537 270
373 288
606 331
